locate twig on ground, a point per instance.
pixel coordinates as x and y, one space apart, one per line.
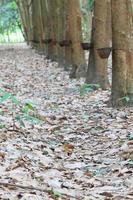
49 191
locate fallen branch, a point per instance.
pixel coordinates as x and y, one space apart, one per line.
24 187
49 191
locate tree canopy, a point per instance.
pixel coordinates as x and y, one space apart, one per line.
9 17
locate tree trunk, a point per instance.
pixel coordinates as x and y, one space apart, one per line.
75 31
68 52
52 20
100 38
45 21
35 22
38 30
122 42
61 29
25 10
41 27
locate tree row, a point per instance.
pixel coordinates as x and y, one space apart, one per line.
55 28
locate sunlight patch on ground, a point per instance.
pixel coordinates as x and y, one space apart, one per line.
11 46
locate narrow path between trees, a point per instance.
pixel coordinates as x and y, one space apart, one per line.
81 149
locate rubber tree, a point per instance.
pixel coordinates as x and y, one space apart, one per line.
53 28
122 58
44 19
68 49
75 35
41 26
37 23
61 14
26 18
100 38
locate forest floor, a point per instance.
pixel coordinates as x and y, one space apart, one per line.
80 149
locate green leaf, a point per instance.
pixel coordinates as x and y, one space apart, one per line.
15 100
20 121
29 106
130 136
22 114
22 124
2 126
5 97
85 88
31 119
130 162
127 99
1 112
2 91
56 193
124 99
25 109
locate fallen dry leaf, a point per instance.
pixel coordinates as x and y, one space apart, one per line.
98 137
68 148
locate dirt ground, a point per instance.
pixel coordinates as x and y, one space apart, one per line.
80 149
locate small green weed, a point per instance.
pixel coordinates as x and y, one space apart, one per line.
20 112
85 88
124 100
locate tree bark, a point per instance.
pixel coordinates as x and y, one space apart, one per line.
100 38
61 29
52 26
122 43
75 33
37 24
24 9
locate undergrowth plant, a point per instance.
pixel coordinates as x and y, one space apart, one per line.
19 111
85 88
123 101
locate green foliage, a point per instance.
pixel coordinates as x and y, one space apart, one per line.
9 18
86 9
2 126
123 101
130 162
56 193
85 88
20 112
130 137
90 4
